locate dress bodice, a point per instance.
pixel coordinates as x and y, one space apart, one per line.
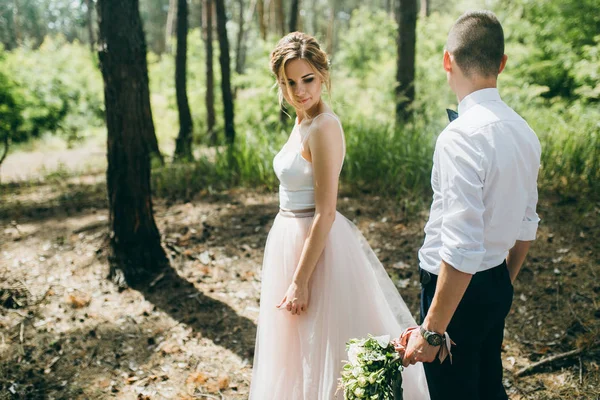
295 173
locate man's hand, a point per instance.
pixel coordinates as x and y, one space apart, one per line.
418 350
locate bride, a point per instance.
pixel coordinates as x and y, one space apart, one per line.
321 282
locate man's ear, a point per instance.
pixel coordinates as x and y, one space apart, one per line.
447 61
503 63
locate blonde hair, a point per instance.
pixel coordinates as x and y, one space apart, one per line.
293 46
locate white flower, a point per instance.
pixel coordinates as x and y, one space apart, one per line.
353 352
359 392
383 341
357 371
362 381
373 378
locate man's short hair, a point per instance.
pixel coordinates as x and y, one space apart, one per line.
476 41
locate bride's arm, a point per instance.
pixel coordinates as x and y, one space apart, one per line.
327 153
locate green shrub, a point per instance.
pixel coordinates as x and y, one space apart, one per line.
59 89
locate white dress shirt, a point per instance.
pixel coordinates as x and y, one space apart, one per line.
484 181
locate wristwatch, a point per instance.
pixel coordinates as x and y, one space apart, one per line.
433 338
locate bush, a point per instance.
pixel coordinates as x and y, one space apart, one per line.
10 111
58 87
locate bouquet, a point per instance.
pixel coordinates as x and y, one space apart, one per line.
373 370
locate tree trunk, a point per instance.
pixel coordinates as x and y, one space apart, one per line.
171 21
331 28
225 71
260 9
279 17
210 75
314 18
406 15
294 15
272 20
424 8
6 147
135 249
183 144
89 4
240 38
16 29
240 54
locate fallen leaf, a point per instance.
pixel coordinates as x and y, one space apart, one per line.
223 382
103 383
170 348
196 378
78 299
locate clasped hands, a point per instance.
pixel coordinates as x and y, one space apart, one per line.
413 347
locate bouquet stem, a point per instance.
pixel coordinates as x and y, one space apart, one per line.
397 389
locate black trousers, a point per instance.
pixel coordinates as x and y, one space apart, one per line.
477 328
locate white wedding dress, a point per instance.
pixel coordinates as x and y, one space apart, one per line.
351 296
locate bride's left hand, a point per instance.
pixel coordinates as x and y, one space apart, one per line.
295 299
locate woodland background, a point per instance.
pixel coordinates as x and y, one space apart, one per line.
137 190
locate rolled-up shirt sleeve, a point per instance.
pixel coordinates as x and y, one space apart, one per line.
531 220
462 175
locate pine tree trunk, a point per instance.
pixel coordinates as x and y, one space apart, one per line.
424 8
315 18
171 21
294 15
210 75
279 17
136 254
183 144
406 14
260 9
225 63
16 28
272 20
89 4
240 38
331 28
245 18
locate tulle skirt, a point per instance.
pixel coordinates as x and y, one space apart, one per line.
351 296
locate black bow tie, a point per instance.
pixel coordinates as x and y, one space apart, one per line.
452 115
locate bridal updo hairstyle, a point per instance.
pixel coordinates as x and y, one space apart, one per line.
298 45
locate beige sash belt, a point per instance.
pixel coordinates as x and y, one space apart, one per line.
297 213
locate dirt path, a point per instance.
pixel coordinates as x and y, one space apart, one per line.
68 333
22 166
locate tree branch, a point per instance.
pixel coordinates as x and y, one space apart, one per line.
548 360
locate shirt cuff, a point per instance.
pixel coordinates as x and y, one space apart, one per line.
467 261
528 230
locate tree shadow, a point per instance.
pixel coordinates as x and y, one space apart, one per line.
184 302
210 317
172 294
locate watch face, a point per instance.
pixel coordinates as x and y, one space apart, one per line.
434 339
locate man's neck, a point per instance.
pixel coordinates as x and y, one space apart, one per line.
468 86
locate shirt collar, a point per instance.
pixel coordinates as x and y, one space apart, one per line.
477 97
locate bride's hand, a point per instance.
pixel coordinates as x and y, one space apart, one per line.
295 299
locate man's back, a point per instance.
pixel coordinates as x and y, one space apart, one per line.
486 161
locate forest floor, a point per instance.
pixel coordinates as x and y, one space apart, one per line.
66 332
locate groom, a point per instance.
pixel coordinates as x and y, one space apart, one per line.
482 220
